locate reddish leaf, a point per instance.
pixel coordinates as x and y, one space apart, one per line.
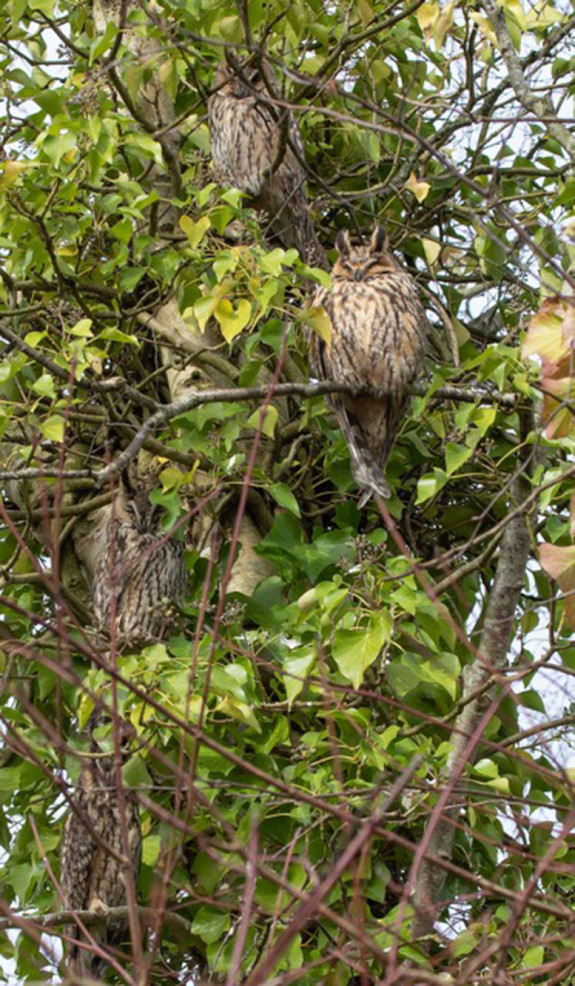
551 337
559 563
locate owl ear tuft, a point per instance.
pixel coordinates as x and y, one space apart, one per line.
223 74
343 243
379 241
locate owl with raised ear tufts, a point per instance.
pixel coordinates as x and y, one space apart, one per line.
378 340
141 568
256 146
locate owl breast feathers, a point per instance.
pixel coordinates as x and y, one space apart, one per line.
140 570
92 874
256 147
379 332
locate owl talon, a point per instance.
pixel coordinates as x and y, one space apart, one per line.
98 906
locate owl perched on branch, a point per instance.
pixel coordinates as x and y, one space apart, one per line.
378 338
102 841
141 569
256 146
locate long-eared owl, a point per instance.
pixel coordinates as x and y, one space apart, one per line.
102 840
247 135
378 339
141 569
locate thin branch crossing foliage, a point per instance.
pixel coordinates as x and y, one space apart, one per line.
287 571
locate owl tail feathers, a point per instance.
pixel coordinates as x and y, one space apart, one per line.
367 470
372 480
88 967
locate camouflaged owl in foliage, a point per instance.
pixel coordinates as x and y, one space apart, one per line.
101 831
141 568
378 341
256 146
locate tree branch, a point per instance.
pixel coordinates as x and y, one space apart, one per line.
540 107
496 637
47 921
198 397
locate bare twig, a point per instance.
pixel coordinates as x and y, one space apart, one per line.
198 397
540 107
426 878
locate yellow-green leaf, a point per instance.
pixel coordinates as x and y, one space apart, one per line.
273 261
514 7
419 188
455 456
83 328
85 710
269 423
485 28
533 957
240 711
230 28
53 428
431 248
427 16
430 484
11 170
203 310
232 322
374 147
195 231
365 12
318 319
116 335
284 496
151 850
146 145
443 24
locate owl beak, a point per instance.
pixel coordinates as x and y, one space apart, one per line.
358 274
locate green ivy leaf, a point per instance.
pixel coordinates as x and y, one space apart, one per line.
284 496
354 650
53 428
44 386
103 42
430 484
210 923
269 422
455 456
296 667
151 850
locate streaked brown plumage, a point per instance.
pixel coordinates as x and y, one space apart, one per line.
140 570
249 137
92 876
379 331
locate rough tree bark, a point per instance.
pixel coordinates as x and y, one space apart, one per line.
426 878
